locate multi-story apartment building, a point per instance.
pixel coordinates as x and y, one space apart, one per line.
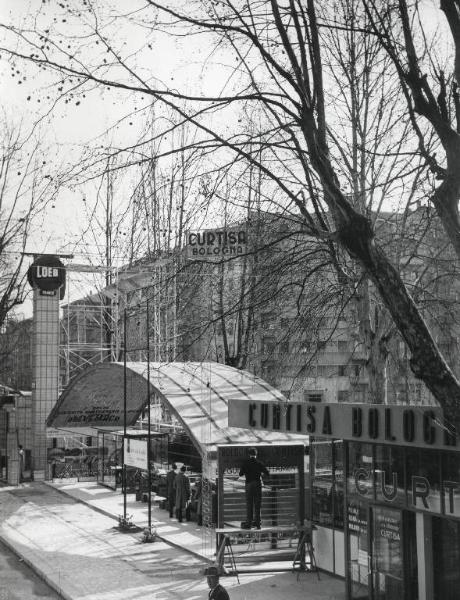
16 353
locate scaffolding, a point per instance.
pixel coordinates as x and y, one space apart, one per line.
92 327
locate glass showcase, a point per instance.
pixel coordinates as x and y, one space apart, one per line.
395 499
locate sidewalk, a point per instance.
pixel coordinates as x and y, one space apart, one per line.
68 534
197 540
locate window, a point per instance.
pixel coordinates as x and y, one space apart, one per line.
312 396
265 319
343 396
268 345
342 370
321 345
324 371
284 347
268 370
305 347
342 345
284 322
359 393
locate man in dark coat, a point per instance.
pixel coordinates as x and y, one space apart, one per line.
170 490
182 487
216 591
253 470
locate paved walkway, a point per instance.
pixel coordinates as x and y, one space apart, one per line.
76 547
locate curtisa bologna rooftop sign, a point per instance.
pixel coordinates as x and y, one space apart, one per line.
216 244
420 426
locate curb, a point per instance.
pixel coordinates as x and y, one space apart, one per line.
41 574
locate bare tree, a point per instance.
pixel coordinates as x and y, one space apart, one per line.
27 187
279 52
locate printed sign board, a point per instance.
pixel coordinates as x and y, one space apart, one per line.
135 453
420 426
216 244
91 401
48 274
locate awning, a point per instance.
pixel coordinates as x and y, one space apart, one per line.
196 393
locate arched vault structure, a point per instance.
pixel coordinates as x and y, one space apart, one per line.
196 393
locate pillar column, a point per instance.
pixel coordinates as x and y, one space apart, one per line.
424 556
45 355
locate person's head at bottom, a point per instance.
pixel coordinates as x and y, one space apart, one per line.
212 574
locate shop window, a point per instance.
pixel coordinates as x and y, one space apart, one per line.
338 495
451 483
389 475
327 483
446 558
423 479
358 548
360 475
322 485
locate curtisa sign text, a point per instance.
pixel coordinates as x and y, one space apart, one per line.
397 425
216 244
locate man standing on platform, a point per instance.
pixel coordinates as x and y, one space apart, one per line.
170 489
216 591
253 470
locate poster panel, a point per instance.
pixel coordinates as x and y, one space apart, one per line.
135 453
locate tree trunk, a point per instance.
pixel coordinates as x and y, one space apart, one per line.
426 361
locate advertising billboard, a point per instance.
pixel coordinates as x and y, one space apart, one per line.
419 426
216 244
135 453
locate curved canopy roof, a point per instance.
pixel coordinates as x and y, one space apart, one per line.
196 393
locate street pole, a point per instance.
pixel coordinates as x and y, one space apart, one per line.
125 390
148 415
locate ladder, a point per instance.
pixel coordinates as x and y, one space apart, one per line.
226 550
304 558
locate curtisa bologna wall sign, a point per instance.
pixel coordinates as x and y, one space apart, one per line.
47 274
216 244
420 426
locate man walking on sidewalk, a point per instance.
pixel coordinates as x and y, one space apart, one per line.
182 485
170 489
216 591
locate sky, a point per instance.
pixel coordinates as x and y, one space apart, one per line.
69 128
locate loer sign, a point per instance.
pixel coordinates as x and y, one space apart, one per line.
216 244
47 273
